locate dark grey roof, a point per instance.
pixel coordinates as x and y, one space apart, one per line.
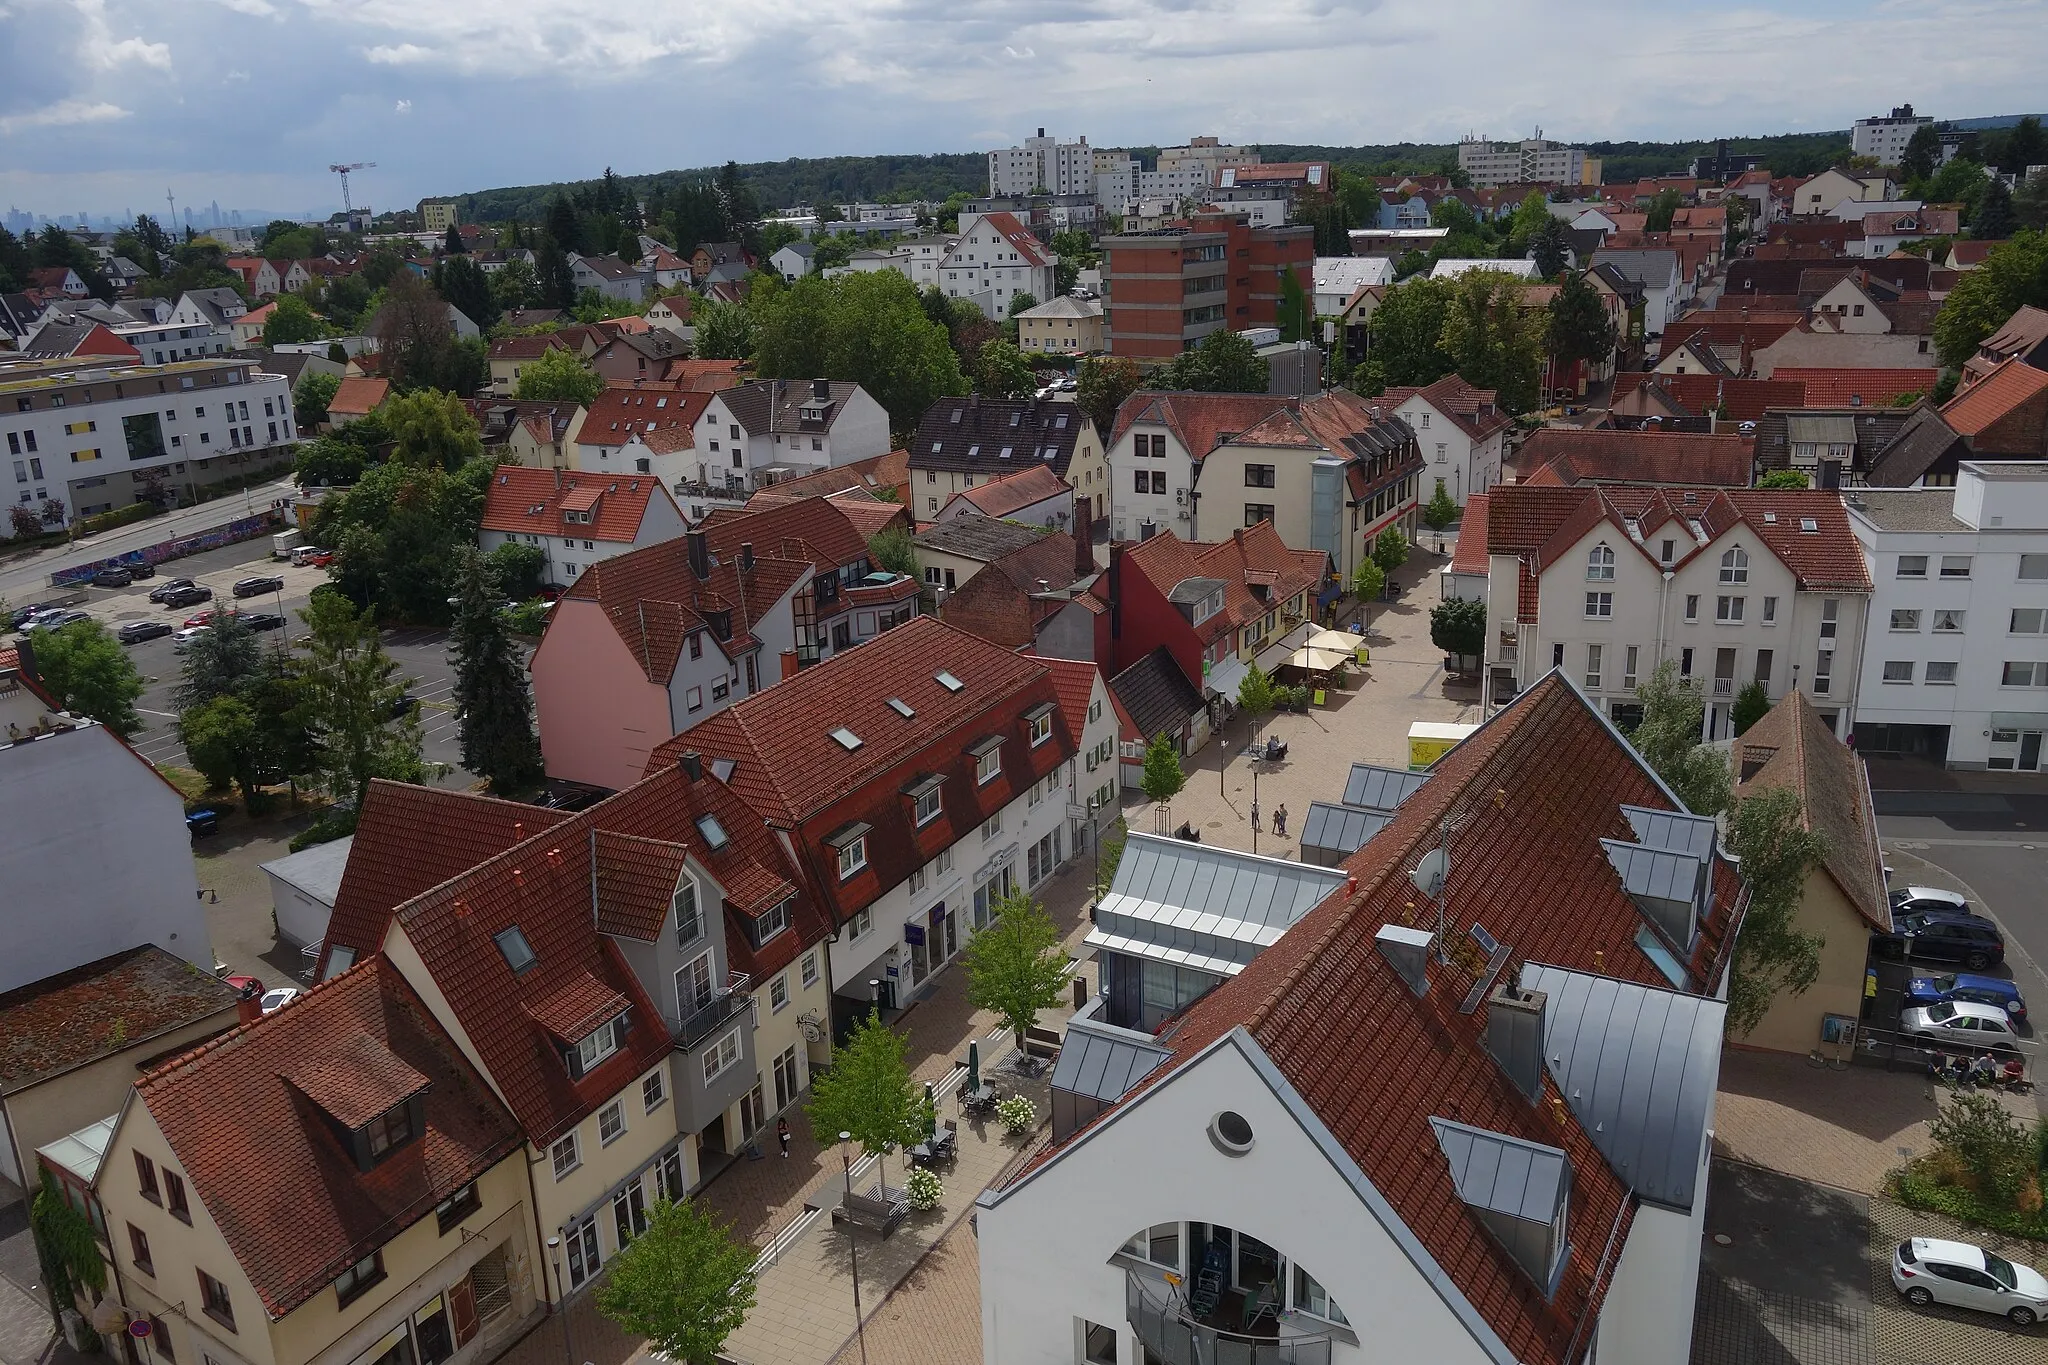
18 313
1157 694
656 343
1503 1174
801 246
1875 429
777 405
1194 591
1617 281
1203 907
1377 788
972 435
1334 828
1907 509
974 536
1639 1067
58 339
1103 1067
611 267
1653 268
1693 834
1920 445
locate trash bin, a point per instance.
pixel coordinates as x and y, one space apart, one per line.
202 823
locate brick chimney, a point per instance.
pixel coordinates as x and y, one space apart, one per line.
788 664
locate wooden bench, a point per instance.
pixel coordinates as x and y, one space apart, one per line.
880 1215
1042 1043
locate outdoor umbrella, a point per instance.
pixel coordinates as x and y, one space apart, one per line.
974 1067
931 1113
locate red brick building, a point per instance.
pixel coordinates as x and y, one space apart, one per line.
1166 289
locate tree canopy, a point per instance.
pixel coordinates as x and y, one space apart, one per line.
686 1284
1221 362
868 1091
88 673
1016 966
559 375
1668 738
867 328
1163 777
2014 274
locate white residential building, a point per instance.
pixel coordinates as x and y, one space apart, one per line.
1956 668
1042 164
915 258
1462 433
1606 583
775 429
576 517
1518 163
1886 138
996 259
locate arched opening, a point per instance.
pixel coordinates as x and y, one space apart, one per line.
1199 1282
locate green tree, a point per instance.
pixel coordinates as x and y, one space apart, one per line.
88 673
1993 220
725 331
354 691
1668 738
1001 371
310 397
564 226
1549 243
1752 704
462 282
1768 831
277 698
1578 327
1390 549
221 738
1494 341
1441 510
1961 181
218 662
868 1091
866 328
1923 149
412 331
1783 478
894 550
1992 1145
1457 625
1221 362
1368 581
1526 222
1102 384
1407 329
560 375
1020 302
686 1284
490 691
2013 275
1256 696
1017 966
518 569
514 286
290 321
2030 202
1662 210
2025 145
453 243
328 461
555 279
1295 312
1163 777
432 431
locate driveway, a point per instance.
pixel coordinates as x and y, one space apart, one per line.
1784 1272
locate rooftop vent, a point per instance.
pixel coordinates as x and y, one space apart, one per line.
1514 1036
947 681
846 739
1407 952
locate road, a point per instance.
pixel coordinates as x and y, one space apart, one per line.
421 655
27 579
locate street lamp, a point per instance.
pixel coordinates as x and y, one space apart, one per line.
562 1288
853 1246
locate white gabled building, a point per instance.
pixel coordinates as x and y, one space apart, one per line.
1956 669
757 434
995 259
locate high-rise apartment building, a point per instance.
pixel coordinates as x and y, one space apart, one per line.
1886 138
1168 288
1042 163
1517 163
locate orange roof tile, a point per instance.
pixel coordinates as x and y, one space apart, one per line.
521 500
1995 397
1843 388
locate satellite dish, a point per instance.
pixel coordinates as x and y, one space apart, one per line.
1429 874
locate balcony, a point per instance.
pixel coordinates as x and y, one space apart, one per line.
1160 1318
1724 687
700 1023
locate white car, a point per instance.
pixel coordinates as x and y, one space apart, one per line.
1928 1271
277 999
181 640
1960 1023
1905 898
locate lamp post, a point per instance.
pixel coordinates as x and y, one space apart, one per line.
562 1288
853 1246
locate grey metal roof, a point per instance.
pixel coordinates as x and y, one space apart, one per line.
1821 428
1102 1067
1195 905
1673 830
1343 829
1503 1174
1659 873
316 870
1639 1067
1378 788
1191 591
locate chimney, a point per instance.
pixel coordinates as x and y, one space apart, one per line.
1084 539
788 664
700 554
747 556
1407 952
692 764
821 390
1743 362
1514 1036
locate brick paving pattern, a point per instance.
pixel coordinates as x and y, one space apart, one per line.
1739 1324
1936 1335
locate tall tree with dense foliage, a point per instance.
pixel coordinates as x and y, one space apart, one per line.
2013 275
686 1284
353 693
432 431
1016 967
1668 738
412 331
1662 210
1221 362
514 286
1577 326
490 693
1407 330
88 673
868 1091
894 550
1457 625
1548 245
725 331
218 662
462 282
1923 149
1001 371
560 375
223 743
866 328
1774 957
290 321
1102 383
1296 311
1163 777
1993 220
1494 341
1390 549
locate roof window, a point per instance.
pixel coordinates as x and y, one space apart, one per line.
947 681
713 832
1520 1191
512 943
1808 525
846 739
901 707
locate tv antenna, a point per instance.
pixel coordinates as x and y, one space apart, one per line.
342 171
173 200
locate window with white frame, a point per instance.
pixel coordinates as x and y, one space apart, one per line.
1770 611
720 1055
925 801
810 970
778 992
1157 1245
918 881
597 1046
2024 675
1735 565
859 922
1593 653
653 1091
771 921
1599 606
1955 566
1041 728
611 1123
1948 621
1941 671
988 761
1905 619
1912 566
1692 606
992 826
2028 620
2033 567
1898 670
1728 610
565 1155
1600 564
689 920
853 856
1628 668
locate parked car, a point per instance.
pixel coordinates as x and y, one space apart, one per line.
257 586
277 999
139 571
190 595
23 616
1976 943
162 591
205 618
247 985
1922 991
112 578
57 620
403 706
1964 1023
1929 898
263 620
135 632
309 554
183 639
1926 1271
320 559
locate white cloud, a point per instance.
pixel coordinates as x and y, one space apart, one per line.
261 9
62 114
101 49
403 107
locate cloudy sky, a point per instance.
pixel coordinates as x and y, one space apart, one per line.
104 104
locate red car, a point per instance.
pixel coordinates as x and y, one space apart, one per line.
321 560
204 618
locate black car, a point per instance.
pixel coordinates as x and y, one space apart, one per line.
24 615
190 595
135 632
163 590
256 587
1942 937
402 706
112 578
262 620
139 571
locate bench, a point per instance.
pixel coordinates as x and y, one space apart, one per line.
864 1210
1042 1043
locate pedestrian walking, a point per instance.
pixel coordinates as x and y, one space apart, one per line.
1255 817
1280 819
782 1135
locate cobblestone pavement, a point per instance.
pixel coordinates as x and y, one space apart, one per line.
1784 1273
934 1316
1935 1335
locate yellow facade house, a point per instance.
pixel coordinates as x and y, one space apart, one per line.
1844 899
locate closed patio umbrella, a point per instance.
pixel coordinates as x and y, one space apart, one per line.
974 1067
931 1113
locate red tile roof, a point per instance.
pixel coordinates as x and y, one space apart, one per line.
661 417
1995 397
1745 399
1029 250
1469 556
526 348
1166 559
869 514
1475 411
532 501
357 395
1375 1064
1793 747
1643 457
656 602
1761 329
269 1170
1009 492
873 475
1843 388
1074 681
121 1001
410 839
817 530
1200 421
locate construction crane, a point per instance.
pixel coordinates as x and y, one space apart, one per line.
343 171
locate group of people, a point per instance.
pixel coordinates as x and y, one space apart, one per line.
1279 819
1983 1070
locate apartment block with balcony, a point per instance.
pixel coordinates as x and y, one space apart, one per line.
1167 288
1735 585
1533 160
1042 165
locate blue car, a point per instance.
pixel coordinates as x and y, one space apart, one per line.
1982 990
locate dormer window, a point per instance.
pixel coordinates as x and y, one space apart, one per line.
770 922
1520 1191
1040 718
851 844
925 803
390 1130
597 1046
988 760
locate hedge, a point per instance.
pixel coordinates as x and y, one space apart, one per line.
1916 1191
120 516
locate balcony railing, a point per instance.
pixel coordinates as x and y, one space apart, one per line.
723 1005
1161 1322
1724 687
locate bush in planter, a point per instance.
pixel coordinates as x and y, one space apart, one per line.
1019 1115
923 1188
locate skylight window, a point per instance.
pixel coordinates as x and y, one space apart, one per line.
901 707
1808 524
947 681
846 739
713 832
512 943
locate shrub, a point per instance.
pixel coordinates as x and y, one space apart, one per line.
1019 1115
120 516
923 1188
335 822
527 618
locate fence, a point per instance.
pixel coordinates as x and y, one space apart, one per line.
234 532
